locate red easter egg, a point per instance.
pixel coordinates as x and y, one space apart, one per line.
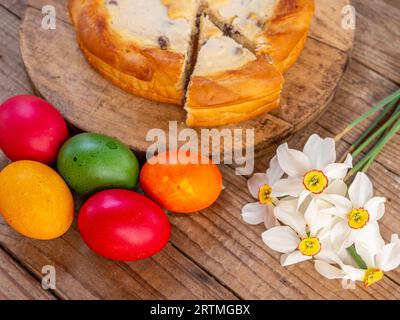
123 225
31 129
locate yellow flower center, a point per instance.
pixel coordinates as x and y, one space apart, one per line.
310 246
264 194
372 276
358 218
315 181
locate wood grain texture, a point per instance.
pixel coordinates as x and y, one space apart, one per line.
12 72
213 253
327 25
81 274
378 39
15 7
65 79
17 284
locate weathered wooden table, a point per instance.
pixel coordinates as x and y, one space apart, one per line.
213 254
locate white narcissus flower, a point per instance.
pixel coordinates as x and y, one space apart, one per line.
311 172
385 259
319 217
296 240
261 188
357 217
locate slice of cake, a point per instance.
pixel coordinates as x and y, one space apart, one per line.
143 46
277 28
229 83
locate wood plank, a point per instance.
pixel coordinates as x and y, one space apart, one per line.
378 37
309 82
17 284
13 78
327 25
360 89
16 7
81 274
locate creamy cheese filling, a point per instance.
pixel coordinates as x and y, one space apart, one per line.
208 30
166 24
246 16
221 54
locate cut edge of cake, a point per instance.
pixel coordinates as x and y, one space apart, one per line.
283 48
230 95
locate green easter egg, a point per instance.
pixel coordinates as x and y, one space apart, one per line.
91 162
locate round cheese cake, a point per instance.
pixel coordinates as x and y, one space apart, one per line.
221 59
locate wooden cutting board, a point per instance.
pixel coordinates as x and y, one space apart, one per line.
59 72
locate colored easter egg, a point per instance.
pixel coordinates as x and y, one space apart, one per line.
35 200
31 129
92 162
180 186
123 225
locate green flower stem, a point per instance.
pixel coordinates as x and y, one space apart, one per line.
380 105
355 147
373 153
385 132
360 262
377 133
397 109
374 124
382 144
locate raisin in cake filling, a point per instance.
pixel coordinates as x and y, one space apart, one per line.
243 19
246 16
155 23
169 25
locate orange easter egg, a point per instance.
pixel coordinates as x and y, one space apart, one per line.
35 200
179 186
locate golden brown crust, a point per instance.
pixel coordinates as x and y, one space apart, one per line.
287 31
222 98
152 73
235 95
212 117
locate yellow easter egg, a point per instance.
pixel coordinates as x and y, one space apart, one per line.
35 200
